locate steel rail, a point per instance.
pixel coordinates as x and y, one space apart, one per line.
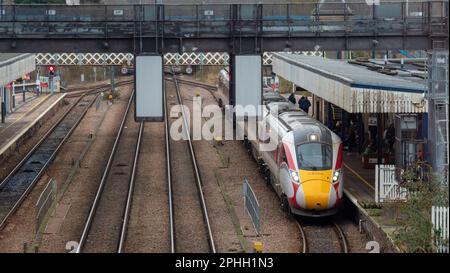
302 234
44 167
98 89
169 177
196 84
196 170
95 203
341 235
126 217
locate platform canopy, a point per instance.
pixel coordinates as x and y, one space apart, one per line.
351 87
15 65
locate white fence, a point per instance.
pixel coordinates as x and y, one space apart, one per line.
439 218
387 187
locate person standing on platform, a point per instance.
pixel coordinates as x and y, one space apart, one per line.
300 102
389 137
292 99
304 104
351 139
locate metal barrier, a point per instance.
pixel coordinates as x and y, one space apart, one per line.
252 206
45 202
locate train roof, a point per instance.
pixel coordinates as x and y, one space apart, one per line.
294 119
269 97
303 126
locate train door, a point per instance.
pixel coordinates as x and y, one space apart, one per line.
280 158
269 157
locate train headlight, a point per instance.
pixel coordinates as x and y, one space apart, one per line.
294 176
336 176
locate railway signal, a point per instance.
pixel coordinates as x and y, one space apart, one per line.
51 69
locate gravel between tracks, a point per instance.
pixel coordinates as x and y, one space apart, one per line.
148 229
104 233
190 228
66 222
223 169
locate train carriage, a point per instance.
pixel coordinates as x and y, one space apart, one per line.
305 168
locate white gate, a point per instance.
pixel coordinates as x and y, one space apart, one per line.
439 218
386 186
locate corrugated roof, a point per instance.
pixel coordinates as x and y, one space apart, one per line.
354 75
6 57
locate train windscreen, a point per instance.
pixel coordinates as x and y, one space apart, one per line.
314 156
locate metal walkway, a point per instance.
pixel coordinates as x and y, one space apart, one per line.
237 28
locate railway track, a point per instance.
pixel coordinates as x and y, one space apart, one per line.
322 237
21 180
97 89
186 201
105 228
196 84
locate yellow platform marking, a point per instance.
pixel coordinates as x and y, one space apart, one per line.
360 177
25 114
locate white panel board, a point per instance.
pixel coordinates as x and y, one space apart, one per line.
149 86
248 83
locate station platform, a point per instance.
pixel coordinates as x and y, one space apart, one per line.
359 182
25 117
359 189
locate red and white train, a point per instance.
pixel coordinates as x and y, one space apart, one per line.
305 168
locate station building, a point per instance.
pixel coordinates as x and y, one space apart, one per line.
12 67
378 107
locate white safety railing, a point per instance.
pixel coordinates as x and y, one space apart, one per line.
387 187
439 218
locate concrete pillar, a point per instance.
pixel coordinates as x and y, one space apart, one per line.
7 100
10 99
2 108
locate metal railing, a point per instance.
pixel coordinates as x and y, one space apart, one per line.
251 204
225 20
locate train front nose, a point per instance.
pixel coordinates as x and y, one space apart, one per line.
315 195
316 191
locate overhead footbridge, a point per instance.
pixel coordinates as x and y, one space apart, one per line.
236 28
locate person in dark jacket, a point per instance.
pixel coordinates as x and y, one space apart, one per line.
304 104
292 98
300 102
